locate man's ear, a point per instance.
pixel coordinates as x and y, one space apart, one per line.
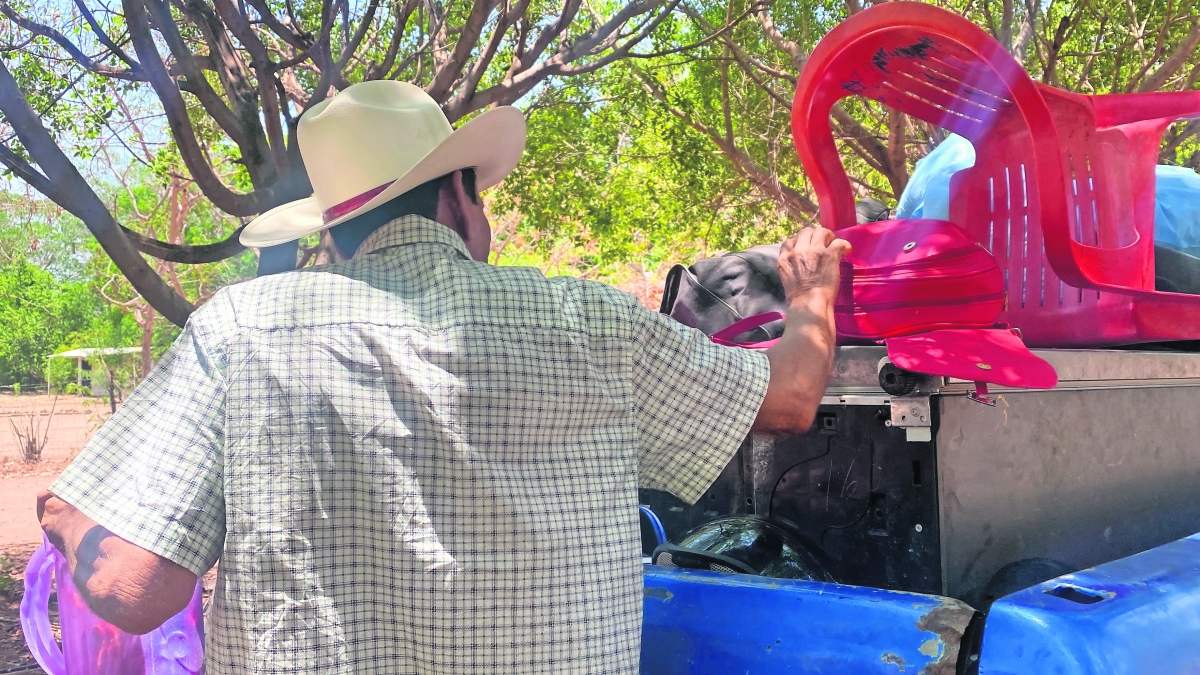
451 210
458 211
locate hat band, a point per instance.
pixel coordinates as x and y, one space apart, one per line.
350 205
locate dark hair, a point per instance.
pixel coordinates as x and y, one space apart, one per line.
420 201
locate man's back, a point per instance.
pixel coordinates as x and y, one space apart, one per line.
426 464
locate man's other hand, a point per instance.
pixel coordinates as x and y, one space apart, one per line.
810 270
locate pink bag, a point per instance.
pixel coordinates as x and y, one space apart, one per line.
904 277
994 355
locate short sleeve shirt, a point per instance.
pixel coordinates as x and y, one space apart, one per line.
413 462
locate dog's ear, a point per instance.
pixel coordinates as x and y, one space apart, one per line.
871 210
671 289
765 262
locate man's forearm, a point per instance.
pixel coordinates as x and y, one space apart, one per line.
800 364
127 586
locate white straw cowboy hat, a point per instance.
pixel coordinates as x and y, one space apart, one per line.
373 142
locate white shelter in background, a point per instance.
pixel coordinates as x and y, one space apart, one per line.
82 356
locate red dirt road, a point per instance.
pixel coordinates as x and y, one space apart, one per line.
72 422
18 516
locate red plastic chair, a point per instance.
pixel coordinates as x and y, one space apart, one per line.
1062 191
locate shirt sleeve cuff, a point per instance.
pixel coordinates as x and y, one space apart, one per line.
150 531
728 436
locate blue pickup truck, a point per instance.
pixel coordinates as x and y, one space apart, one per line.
1051 533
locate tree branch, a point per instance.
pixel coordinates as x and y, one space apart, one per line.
365 23
286 33
26 172
181 127
77 197
475 73
62 41
198 83
871 148
625 50
375 71
565 18
793 50
322 55
264 73
185 253
451 71
517 84
1028 26
103 36
897 173
1175 61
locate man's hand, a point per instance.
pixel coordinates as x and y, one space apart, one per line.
810 270
127 586
62 523
810 261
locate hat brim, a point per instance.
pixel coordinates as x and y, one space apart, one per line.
492 144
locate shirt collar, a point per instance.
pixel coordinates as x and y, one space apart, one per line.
407 230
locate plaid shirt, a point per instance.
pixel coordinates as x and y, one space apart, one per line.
413 462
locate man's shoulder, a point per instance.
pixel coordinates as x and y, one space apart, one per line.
379 289
518 281
264 302
594 291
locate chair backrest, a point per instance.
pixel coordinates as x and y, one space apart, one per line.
937 67
1050 195
1110 146
1062 191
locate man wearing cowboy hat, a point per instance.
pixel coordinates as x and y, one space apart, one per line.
414 462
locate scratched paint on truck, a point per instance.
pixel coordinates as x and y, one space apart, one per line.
703 623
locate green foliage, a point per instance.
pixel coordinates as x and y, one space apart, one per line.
39 232
12 586
611 170
654 159
73 106
61 375
37 315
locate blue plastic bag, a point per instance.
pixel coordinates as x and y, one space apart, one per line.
1176 207
927 194
1176 194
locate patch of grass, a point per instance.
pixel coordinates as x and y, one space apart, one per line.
12 579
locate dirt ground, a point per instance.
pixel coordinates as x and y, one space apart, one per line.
64 423
13 652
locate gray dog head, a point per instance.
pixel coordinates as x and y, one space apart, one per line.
716 292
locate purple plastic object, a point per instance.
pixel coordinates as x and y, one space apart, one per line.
91 646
